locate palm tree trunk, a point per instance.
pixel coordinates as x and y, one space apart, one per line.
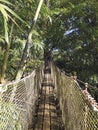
22 64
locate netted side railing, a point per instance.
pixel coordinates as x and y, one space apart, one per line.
77 113
17 103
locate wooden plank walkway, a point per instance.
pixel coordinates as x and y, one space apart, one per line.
47 118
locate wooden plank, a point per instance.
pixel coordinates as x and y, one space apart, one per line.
47 113
46 121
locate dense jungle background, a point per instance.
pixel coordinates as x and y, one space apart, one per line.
68 30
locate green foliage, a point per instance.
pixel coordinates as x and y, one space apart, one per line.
33 64
6 13
76 51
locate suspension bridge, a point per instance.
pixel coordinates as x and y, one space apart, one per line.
47 99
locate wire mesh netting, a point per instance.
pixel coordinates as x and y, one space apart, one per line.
77 112
17 103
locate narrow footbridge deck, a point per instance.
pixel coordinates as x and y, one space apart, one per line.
48 116
47 99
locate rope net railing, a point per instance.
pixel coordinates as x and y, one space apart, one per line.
77 112
17 103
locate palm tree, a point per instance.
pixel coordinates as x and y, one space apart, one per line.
6 14
29 39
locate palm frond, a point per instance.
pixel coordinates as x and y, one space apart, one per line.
15 23
12 12
3 11
6 30
5 1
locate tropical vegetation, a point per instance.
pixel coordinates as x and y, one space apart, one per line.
67 30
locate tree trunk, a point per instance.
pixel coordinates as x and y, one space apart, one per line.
4 66
47 57
21 66
5 61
